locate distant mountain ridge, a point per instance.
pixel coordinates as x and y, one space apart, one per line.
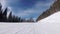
54 8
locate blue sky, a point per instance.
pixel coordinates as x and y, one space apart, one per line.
27 8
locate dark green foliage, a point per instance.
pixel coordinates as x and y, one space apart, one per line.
4 16
1 13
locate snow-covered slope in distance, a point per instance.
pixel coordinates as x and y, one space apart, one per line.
49 25
54 18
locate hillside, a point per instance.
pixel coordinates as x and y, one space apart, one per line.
49 25
53 8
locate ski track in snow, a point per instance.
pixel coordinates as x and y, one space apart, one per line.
49 25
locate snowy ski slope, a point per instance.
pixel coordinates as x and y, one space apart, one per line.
49 25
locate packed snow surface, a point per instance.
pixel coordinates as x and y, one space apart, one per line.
49 25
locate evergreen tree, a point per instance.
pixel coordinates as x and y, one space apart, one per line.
5 15
5 12
0 12
30 19
10 17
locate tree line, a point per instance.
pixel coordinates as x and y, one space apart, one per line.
11 18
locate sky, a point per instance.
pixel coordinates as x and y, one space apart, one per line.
27 8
